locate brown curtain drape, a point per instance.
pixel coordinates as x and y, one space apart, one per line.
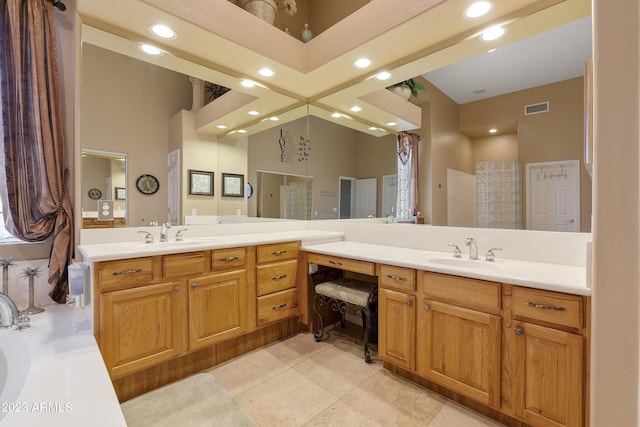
408 145
33 177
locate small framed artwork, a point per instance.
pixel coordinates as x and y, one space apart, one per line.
200 183
121 193
232 185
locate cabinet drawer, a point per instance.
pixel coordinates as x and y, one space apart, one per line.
124 272
227 259
553 307
465 292
397 278
180 265
277 277
277 306
347 264
277 252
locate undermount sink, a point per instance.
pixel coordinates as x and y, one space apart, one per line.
462 263
15 360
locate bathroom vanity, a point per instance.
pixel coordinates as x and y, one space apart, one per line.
508 338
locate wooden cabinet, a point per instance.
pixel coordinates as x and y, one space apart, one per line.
397 316
217 305
142 326
277 282
459 331
548 365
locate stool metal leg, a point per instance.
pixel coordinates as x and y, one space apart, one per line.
366 323
318 334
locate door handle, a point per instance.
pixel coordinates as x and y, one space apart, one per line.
571 221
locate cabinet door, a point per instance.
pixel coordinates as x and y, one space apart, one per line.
460 349
217 308
141 326
397 328
547 375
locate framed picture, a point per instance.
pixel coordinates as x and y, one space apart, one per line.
121 193
232 185
200 183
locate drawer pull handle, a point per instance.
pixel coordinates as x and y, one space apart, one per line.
176 289
545 307
394 277
280 277
278 307
334 262
280 252
229 258
122 273
518 331
194 285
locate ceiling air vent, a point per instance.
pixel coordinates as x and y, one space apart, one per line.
541 107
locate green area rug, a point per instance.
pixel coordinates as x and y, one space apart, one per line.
198 400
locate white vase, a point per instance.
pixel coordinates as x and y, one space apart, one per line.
263 9
402 91
306 34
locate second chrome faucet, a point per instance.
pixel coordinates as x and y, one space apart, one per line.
473 248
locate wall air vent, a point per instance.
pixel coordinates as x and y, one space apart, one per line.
541 107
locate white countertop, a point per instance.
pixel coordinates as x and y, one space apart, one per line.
554 277
121 250
67 383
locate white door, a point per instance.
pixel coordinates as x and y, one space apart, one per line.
389 194
553 196
366 197
174 187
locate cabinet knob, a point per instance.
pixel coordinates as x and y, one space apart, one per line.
176 288
409 303
426 307
194 285
519 331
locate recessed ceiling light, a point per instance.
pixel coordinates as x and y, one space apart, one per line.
221 126
150 50
266 72
355 108
274 118
253 113
385 75
163 31
391 124
247 83
478 9
362 63
492 33
493 130
373 128
242 131
336 115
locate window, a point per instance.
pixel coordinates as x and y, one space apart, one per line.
5 237
403 203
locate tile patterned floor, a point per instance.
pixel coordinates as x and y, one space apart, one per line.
299 382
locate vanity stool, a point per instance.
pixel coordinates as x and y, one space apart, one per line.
338 294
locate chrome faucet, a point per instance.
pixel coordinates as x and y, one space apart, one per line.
473 247
10 318
164 232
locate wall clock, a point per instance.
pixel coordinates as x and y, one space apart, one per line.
147 184
95 194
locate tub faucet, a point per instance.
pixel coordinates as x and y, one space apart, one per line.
10 318
164 232
473 247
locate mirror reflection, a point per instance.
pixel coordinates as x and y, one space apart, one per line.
104 177
347 173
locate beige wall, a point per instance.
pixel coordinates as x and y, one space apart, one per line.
447 148
498 147
335 151
556 135
126 106
615 356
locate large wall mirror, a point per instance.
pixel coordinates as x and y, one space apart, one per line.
328 168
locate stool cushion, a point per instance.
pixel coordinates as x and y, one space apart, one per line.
349 290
